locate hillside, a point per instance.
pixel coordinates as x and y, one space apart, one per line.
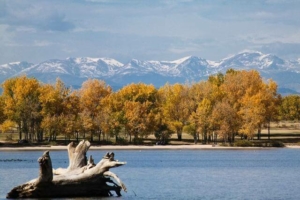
73 71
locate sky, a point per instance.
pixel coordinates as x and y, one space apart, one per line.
39 30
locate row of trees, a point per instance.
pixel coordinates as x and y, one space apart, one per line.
238 102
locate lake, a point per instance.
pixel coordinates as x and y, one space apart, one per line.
180 174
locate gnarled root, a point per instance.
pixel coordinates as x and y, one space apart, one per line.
81 179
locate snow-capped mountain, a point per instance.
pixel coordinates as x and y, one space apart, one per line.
187 66
73 71
11 69
255 60
82 67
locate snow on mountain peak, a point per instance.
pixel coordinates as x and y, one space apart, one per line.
179 61
190 68
89 60
213 64
15 63
14 67
245 54
86 60
113 62
254 60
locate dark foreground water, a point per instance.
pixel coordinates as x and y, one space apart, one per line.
180 174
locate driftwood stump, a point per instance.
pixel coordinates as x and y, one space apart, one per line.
82 178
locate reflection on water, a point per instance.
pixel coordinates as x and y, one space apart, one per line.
180 174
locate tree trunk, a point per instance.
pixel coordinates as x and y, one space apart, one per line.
77 135
179 135
269 127
259 133
233 137
205 137
20 131
92 134
81 179
195 138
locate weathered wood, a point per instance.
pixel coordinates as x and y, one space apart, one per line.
81 179
45 174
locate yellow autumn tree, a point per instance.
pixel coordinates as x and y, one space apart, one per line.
3 117
176 106
72 109
204 96
52 98
202 118
113 116
21 100
272 102
135 108
7 125
254 100
290 108
92 93
225 121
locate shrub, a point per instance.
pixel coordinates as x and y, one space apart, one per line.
105 142
121 141
258 144
9 137
53 143
277 144
243 143
137 141
223 144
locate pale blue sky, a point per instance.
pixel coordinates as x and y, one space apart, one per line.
38 30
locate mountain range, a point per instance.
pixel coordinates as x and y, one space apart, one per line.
74 71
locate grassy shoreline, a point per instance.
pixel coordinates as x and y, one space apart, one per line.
285 132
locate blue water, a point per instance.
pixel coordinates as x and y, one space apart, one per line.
180 174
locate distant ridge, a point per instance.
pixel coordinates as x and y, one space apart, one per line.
73 71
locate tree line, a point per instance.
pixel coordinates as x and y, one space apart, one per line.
223 106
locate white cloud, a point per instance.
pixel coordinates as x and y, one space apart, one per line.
42 43
144 29
35 15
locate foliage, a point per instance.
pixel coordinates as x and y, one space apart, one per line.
163 133
238 102
176 106
134 107
277 144
290 108
22 105
121 141
243 143
91 96
7 125
9 137
137 141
